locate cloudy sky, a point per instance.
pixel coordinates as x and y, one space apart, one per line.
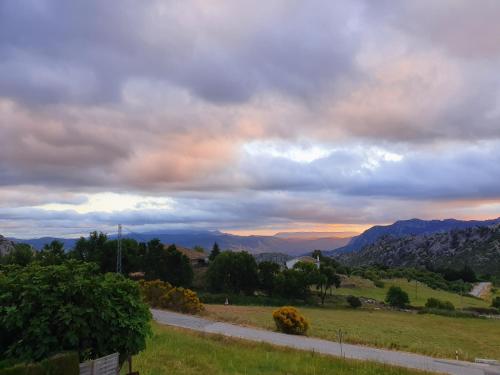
246 117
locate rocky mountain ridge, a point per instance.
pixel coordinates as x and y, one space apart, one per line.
413 227
477 247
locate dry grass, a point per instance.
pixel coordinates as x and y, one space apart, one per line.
433 335
181 352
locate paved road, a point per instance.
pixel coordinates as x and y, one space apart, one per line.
326 347
479 289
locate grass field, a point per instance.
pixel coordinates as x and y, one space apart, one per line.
174 352
365 288
433 335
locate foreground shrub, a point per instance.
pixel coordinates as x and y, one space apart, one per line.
354 302
161 294
434 303
60 364
46 310
397 297
289 320
496 303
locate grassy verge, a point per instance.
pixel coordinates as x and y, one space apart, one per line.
365 288
174 351
433 335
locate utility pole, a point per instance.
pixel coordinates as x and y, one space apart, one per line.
119 251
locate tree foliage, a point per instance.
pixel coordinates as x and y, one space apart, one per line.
496 302
167 264
268 272
215 252
52 253
297 282
397 297
326 279
22 255
49 309
233 272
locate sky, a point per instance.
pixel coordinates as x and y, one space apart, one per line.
246 117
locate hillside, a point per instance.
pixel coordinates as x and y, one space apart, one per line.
409 227
478 247
253 244
5 245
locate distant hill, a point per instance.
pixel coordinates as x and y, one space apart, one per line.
408 227
477 247
206 239
315 235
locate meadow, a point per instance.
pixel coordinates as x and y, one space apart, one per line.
433 335
418 296
175 351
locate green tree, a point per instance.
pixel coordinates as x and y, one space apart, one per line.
52 253
496 302
178 271
132 256
22 255
233 272
297 282
397 297
90 249
326 279
49 309
268 272
167 264
214 253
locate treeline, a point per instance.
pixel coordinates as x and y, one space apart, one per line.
151 258
457 281
239 273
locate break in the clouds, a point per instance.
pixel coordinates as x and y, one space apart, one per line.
228 115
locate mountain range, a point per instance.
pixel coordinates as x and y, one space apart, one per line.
477 247
293 244
405 228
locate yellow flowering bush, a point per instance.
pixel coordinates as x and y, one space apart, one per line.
162 294
289 320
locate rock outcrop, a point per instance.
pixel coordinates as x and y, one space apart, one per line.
5 245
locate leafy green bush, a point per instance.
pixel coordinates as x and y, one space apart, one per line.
434 303
45 310
163 295
289 320
60 364
496 303
354 302
397 297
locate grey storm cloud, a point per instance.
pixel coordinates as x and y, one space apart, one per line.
85 51
163 98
